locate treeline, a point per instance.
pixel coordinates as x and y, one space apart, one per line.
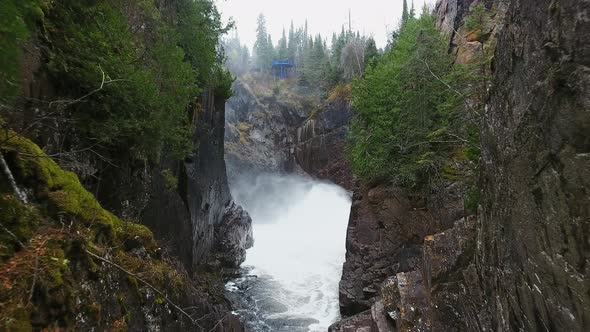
419 111
319 64
123 72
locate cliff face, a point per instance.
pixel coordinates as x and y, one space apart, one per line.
385 236
522 263
271 127
262 118
197 229
321 141
533 232
194 217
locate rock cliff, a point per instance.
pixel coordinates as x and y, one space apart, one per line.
262 117
533 251
321 141
137 276
273 127
521 263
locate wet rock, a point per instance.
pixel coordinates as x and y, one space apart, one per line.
261 129
233 236
384 237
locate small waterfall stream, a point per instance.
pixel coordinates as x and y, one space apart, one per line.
290 278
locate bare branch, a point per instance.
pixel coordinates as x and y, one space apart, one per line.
19 194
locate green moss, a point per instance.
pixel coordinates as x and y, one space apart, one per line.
19 219
134 284
55 257
160 301
170 181
124 310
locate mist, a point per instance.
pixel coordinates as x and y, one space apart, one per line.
299 230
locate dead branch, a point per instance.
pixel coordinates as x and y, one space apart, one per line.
68 102
34 276
19 194
218 322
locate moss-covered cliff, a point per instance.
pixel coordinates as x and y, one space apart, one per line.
66 263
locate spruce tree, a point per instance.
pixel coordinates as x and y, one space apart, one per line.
261 44
405 14
282 51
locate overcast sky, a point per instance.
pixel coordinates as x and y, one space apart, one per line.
373 17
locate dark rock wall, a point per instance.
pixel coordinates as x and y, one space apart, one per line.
533 237
260 130
385 235
321 142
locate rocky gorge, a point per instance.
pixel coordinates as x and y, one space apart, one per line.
119 237
424 261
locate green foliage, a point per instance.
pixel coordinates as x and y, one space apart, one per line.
136 85
18 18
127 87
478 18
409 123
170 180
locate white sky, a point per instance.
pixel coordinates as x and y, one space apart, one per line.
373 17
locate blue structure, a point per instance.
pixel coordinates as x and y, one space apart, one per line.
281 68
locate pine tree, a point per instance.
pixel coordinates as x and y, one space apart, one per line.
261 44
371 52
283 51
292 44
270 51
405 14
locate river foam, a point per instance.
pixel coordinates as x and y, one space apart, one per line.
293 270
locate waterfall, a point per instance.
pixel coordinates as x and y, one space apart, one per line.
292 273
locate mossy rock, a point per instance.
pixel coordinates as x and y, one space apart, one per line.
65 194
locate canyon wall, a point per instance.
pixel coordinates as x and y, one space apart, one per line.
521 263
532 238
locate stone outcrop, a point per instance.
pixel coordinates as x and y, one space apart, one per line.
533 251
233 236
385 235
321 141
261 128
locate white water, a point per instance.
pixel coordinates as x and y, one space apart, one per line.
299 232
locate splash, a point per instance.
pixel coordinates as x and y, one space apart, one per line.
296 263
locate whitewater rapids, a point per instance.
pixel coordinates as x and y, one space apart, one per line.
290 277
